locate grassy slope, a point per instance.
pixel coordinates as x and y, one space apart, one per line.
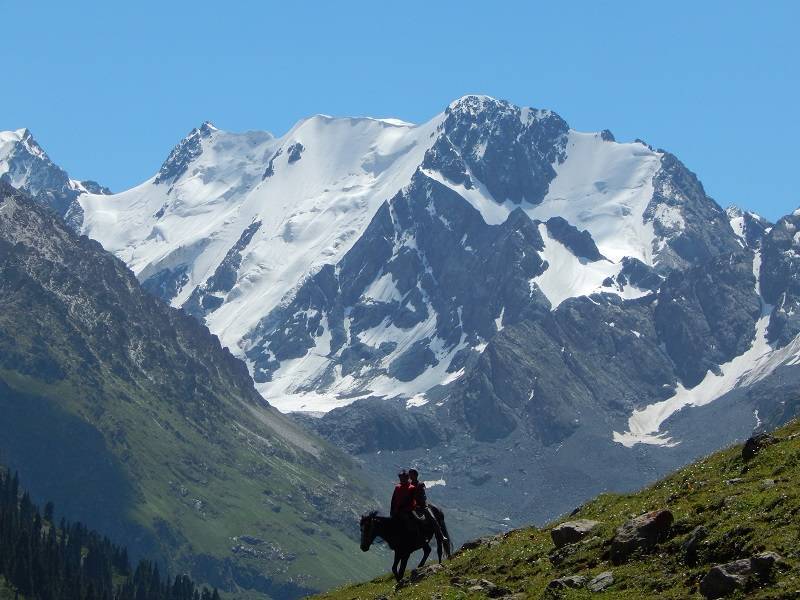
743 517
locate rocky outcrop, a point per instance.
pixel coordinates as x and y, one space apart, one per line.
510 150
456 272
706 315
642 533
570 582
207 297
375 424
724 580
572 531
693 225
601 582
750 227
780 278
579 242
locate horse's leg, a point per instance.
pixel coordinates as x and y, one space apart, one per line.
426 550
394 566
403 563
439 549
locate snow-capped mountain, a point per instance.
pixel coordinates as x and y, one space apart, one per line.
489 279
247 230
25 166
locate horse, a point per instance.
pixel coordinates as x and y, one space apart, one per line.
395 534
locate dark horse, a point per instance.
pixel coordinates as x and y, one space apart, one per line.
401 540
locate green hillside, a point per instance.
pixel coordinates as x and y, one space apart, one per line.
132 418
746 507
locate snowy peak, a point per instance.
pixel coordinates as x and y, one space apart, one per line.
493 144
473 103
20 140
26 166
313 191
16 143
340 259
188 149
478 107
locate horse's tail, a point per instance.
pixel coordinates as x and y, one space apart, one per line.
448 545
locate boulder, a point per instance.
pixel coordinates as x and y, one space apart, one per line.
420 574
559 555
572 531
487 587
691 544
755 444
572 582
723 580
472 544
763 563
640 533
601 582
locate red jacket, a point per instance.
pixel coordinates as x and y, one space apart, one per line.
403 499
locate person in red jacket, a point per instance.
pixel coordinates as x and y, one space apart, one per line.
403 498
403 505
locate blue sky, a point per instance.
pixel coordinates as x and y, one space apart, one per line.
109 87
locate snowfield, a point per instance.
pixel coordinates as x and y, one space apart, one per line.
311 211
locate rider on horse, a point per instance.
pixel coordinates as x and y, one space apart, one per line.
404 531
422 507
404 503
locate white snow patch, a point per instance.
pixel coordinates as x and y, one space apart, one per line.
435 482
498 322
737 224
568 276
417 400
383 289
605 188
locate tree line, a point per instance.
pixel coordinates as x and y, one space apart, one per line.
44 561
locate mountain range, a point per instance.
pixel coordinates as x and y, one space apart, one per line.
528 313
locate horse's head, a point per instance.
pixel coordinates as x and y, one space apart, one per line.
368 530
